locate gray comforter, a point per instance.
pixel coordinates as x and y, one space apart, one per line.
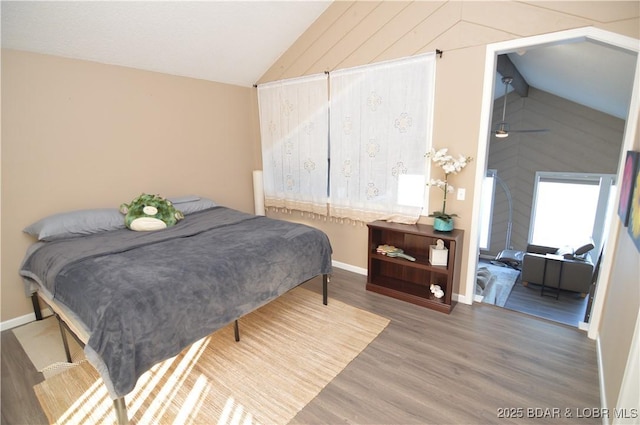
145 296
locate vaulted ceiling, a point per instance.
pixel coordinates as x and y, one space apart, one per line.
586 73
232 42
236 42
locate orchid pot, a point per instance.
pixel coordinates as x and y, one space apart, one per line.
443 224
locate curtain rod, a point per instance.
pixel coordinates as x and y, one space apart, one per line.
438 52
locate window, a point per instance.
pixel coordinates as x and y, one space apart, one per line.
381 124
486 208
294 128
570 207
374 122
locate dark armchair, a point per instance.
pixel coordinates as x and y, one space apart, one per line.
559 268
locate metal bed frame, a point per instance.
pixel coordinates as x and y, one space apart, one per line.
119 404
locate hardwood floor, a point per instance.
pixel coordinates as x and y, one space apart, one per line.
426 367
462 368
569 308
18 402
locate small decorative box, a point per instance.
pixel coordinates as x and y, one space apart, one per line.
438 257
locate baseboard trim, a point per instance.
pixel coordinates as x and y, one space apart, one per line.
462 299
603 393
349 267
23 320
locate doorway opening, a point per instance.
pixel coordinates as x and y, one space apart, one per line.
521 145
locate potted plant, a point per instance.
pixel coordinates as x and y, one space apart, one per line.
442 220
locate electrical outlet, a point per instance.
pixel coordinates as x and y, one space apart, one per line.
461 194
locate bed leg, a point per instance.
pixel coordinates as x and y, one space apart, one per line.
236 330
121 411
63 334
325 291
36 306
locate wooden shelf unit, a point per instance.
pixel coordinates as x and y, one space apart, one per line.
408 280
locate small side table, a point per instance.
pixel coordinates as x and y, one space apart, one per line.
549 258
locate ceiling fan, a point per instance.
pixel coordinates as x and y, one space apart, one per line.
503 130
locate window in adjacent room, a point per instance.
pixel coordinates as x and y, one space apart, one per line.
570 207
486 208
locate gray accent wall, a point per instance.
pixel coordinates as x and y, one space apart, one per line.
580 140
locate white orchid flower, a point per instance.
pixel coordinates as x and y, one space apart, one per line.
449 165
449 168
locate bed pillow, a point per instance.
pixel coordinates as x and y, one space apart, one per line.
76 223
192 203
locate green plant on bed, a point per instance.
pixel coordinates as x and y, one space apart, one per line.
150 212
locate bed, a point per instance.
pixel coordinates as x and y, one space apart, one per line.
137 298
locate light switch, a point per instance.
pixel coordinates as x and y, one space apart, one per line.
461 194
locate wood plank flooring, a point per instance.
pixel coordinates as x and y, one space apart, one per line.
18 402
426 367
569 308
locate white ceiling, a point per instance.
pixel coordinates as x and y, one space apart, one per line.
236 42
587 73
232 42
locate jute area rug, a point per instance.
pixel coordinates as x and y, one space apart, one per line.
288 351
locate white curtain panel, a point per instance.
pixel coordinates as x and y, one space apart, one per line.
381 125
294 128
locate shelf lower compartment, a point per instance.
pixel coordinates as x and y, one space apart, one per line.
409 292
420 263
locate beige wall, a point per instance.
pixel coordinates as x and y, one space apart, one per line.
620 313
82 135
356 33
79 134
